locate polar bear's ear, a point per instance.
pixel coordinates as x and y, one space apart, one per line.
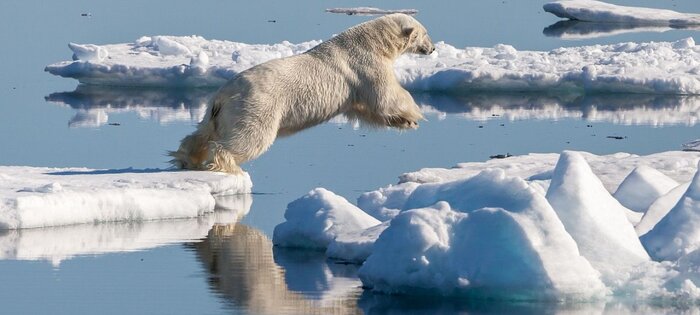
408 31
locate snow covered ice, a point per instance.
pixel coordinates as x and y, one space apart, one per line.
552 218
314 220
192 61
597 11
33 197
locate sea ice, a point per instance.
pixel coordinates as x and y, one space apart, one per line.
598 223
642 187
39 197
314 220
653 68
490 236
524 228
597 11
678 232
659 208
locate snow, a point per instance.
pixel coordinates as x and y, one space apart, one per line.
642 187
653 68
678 232
33 197
597 11
314 220
598 223
369 11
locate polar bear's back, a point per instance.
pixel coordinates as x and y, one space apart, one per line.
303 90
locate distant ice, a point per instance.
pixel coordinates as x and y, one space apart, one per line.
692 145
654 68
370 11
597 11
33 197
533 227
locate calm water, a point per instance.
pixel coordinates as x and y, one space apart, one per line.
212 265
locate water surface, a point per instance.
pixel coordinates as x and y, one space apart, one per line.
212 266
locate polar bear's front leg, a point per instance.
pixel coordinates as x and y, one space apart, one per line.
396 108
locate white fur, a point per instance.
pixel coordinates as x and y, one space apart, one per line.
352 74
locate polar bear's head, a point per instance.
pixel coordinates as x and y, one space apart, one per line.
416 36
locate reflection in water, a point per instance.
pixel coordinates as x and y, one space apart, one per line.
251 275
242 269
95 103
56 244
626 109
574 29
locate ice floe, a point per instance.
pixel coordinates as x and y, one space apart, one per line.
315 219
654 67
533 227
678 232
33 197
369 11
598 11
642 187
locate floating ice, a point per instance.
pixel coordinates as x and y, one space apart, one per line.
598 223
659 208
39 197
490 236
655 68
355 246
314 220
678 232
642 187
487 230
597 11
88 52
370 11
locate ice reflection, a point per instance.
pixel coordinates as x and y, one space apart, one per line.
247 273
573 29
625 109
95 103
56 244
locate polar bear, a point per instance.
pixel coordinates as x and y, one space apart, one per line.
351 73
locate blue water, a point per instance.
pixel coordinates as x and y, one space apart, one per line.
233 268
